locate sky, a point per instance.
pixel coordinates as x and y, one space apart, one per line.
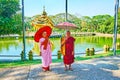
76 7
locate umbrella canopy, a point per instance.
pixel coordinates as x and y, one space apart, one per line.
38 34
66 26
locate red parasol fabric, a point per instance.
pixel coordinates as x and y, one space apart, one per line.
38 34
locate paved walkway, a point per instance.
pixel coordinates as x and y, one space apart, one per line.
97 69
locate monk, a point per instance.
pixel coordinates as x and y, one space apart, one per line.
45 49
68 56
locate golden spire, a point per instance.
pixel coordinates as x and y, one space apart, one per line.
44 12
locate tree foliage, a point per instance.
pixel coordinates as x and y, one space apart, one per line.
8 7
10 20
98 23
119 20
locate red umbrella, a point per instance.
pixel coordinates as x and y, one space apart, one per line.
66 25
38 34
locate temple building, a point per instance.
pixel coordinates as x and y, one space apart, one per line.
41 20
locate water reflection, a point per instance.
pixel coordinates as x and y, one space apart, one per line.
15 46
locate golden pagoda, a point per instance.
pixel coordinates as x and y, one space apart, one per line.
41 20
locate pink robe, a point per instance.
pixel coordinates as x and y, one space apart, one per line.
46 53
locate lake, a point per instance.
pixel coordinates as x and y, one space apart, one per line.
14 47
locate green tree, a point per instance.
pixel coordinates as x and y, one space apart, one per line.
103 23
109 25
17 24
58 18
9 20
87 24
98 23
118 21
8 8
28 25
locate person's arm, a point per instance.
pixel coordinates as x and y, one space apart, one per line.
40 53
63 41
73 52
40 43
45 42
51 44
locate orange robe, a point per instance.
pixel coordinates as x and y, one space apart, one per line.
63 46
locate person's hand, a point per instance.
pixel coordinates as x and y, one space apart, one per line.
66 38
47 38
40 54
72 52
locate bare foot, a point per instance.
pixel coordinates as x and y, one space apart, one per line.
70 69
44 70
65 69
49 70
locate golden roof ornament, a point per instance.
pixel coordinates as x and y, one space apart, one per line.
44 12
41 20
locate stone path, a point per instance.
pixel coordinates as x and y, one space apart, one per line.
107 68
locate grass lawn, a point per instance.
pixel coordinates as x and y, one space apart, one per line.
97 56
28 62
